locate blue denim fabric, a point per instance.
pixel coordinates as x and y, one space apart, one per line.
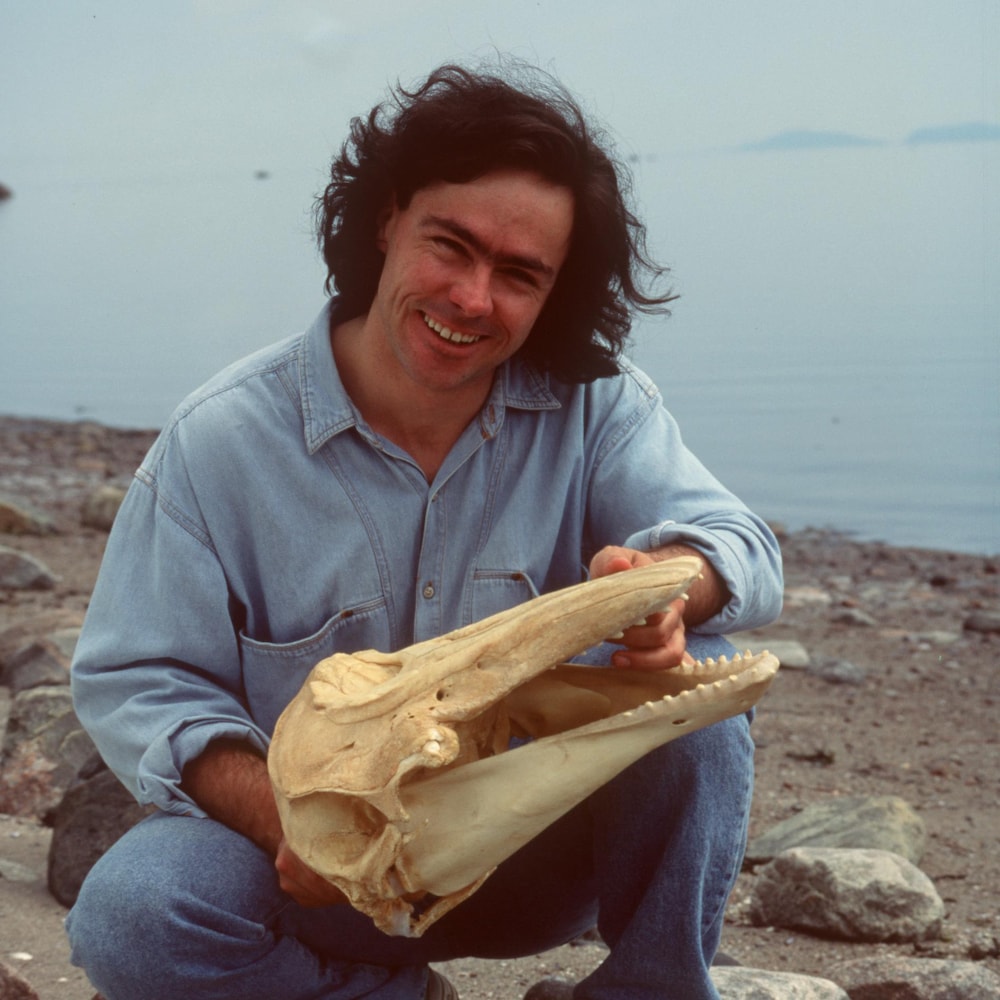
270 527
186 907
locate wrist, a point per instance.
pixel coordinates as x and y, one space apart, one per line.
229 780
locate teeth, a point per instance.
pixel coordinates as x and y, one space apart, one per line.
617 635
448 334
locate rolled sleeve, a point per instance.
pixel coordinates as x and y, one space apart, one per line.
746 555
156 674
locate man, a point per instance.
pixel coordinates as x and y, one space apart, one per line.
455 433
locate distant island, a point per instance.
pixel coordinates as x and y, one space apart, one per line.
966 132
811 139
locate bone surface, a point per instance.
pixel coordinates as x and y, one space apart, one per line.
392 773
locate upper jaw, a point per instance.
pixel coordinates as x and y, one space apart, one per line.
447 333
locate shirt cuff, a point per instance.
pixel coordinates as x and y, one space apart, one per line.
729 565
158 779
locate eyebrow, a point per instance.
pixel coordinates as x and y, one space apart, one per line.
534 264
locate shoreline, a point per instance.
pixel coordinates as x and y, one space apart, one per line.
122 448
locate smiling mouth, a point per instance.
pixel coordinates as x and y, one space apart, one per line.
446 333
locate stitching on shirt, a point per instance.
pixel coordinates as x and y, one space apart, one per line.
374 538
639 415
323 639
172 510
501 446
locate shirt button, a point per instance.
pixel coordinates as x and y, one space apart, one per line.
429 590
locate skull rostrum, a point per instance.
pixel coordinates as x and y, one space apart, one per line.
392 771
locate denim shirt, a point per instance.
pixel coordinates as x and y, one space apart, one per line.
270 527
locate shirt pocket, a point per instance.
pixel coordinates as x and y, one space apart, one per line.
495 590
273 673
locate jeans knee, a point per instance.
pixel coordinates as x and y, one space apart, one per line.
173 894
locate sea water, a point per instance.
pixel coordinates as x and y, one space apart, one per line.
834 357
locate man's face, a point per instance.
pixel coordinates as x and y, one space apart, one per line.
467 270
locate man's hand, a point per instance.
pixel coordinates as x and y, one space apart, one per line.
661 642
303 884
230 782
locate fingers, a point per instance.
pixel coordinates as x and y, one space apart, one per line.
658 644
300 882
615 558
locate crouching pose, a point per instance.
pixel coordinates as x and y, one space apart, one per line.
457 432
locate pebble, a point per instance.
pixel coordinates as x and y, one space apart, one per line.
983 621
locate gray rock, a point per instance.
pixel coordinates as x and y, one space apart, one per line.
18 520
12 871
101 507
65 640
34 665
936 637
758 984
881 822
852 616
43 749
839 672
982 621
806 596
916 978
856 895
41 713
552 988
19 571
90 818
13 987
733 982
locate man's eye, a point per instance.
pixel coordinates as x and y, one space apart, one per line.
446 243
521 277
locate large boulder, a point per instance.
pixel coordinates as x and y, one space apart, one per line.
90 818
879 822
848 894
920 978
19 571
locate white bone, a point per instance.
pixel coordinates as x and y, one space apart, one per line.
390 770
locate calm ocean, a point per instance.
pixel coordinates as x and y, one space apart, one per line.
836 362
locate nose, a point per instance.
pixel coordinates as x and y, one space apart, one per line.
472 292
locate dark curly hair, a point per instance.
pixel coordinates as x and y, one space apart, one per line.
459 125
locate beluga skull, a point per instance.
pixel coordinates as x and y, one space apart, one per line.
392 771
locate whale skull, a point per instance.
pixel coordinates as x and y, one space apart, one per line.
392 771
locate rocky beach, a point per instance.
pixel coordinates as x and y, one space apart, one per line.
878 753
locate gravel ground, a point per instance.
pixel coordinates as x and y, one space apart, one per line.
922 725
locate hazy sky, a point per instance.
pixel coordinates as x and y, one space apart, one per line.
668 75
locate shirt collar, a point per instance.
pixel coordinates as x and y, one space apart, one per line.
327 409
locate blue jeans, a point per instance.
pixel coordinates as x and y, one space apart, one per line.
188 908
